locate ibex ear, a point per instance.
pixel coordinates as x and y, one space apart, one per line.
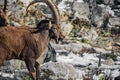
49 25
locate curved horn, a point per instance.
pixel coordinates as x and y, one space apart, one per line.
52 6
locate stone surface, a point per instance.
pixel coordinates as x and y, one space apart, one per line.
66 27
114 21
58 71
81 10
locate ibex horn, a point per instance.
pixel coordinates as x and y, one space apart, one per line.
52 6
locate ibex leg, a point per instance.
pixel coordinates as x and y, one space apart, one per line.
30 65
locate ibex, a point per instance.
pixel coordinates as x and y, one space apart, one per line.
27 44
4 20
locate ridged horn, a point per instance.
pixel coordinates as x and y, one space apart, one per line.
52 6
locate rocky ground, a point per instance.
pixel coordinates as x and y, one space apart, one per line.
91 49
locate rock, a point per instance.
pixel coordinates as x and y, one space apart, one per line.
17 75
81 10
100 16
109 62
13 23
18 14
58 71
66 27
101 76
116 48
117 78
25 2
90 35
115 30
107 2
115 73
12 65
115 21
51 54
64 16
22 75
72 47
7 67
100 50
117 1
76 48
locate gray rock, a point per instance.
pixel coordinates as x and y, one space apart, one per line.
108 2
115 21
66 27
72 47
90 35
58 71
117 1
17 75
100 15
81 10
109 62
7 67
117 78
13 23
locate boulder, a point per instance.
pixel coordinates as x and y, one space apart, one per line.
90 35
107 2
81 10
66 27
117 1
115 21
100 16
58 71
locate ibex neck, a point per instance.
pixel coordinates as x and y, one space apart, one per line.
42 39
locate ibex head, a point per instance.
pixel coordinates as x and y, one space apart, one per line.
54 25
56 33
54 30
